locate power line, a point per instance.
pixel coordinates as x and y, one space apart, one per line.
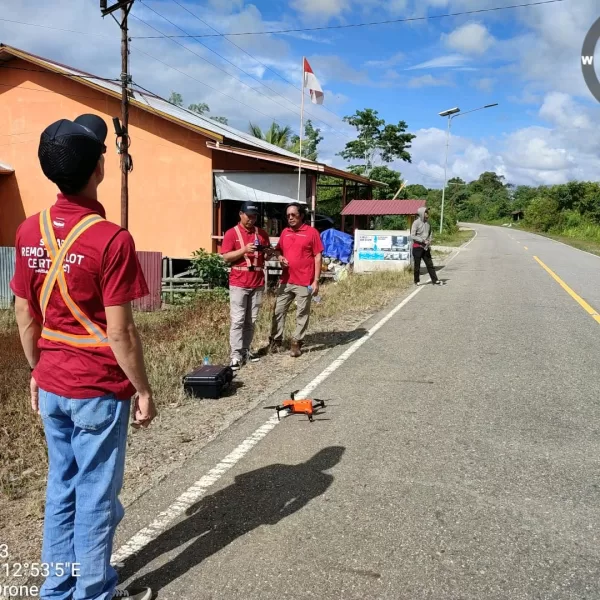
258 61
48 72
369 24
234 65
54 28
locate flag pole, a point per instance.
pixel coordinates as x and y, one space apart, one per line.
301 127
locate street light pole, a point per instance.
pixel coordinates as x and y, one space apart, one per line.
445 169
451 113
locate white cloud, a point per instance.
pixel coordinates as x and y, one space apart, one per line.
226 6
527 96
486 84
334 68
442 62
386 63
322 10
396 7
534 148
427 81
471 38
561 109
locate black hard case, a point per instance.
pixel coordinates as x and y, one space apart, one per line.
208 381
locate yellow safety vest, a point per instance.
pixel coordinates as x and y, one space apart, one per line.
96 336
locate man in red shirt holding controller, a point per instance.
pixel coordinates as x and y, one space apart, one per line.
301 252
244 248
76 275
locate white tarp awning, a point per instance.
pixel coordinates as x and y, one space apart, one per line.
260 187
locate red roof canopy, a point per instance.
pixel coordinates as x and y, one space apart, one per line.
383 207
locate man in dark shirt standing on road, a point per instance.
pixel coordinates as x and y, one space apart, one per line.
301 251
76 275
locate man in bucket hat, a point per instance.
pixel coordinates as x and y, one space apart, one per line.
76 275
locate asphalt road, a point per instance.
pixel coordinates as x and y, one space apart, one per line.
458 458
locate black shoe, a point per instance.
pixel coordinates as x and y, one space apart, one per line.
251 357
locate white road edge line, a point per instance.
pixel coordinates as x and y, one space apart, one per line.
198 489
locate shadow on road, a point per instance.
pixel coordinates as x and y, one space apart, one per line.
324 340
261 497
423 269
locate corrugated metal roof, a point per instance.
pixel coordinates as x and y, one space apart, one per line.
383 207
223 130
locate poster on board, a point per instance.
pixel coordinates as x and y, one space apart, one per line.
383 247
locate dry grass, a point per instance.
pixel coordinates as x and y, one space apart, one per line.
23 456
175 341
593 247
453 239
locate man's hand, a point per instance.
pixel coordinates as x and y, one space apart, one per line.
249 248
315 287
284 261
144 411
35 396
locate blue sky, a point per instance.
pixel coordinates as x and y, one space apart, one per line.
526 59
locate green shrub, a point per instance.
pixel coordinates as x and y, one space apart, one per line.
211 268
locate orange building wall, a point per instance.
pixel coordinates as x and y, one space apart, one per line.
170 188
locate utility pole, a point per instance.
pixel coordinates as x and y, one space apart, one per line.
121 129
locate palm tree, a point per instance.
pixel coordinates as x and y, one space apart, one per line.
276 135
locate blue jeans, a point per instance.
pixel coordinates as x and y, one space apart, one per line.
86 452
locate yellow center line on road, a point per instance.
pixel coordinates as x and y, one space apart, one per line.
591 311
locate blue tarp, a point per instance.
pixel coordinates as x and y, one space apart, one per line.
337 244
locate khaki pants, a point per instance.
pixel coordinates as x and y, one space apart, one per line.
285 296
244 304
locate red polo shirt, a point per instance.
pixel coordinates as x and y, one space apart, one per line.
245 279
101 270
300 247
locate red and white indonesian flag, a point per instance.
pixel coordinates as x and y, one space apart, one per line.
312 83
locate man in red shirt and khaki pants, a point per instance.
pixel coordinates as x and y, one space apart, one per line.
301 252
76 275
